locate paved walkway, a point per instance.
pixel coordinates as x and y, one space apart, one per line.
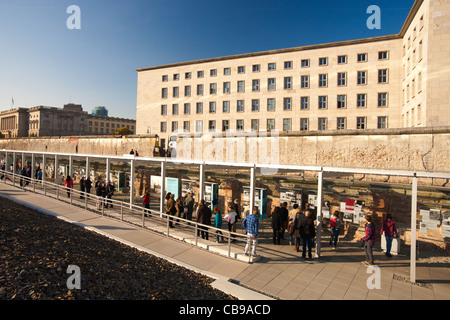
280 273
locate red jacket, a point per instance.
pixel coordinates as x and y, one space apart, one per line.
389 228
146 199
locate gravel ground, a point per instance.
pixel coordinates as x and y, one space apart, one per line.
36 250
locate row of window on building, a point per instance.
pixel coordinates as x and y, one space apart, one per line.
305 104
322 124
272 66
305 83
113 125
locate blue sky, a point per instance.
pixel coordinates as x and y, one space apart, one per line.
42 62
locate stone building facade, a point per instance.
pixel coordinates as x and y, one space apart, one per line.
393 81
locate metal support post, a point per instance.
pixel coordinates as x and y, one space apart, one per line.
319 212
163 187
132 177
202 182
413 229
252 189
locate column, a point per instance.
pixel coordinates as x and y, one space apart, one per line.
70 166
132 183
201 182
107 169
252 189
319 212
87 167
56 168
163 187
413 229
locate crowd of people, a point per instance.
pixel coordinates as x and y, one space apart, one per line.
299 224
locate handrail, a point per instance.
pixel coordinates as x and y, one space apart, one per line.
80 198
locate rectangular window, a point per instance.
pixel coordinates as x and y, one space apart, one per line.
199 107
241 86
226 71
323 80
199 126
255 85
175 109
271 104
341 101
360 122
240 125
255 125
322 124
323 61
305 63
288 64
304 124
383 76
163 109
212 88
271 84
287 125
200 74
187 91
187 126
256 68
342 59
304 103
362 57
226 87
382 99
213 72
212 125
226 106
187 108
382 123
287 104
270 124
187 75
323 102
288 83
165 78
361 100
271 66
163 127
212 107
174 126
341 123
304 83
362 77
164 93
240 106
176 76
342 79
199 89
383 55
255 105
241 69
175 92
225 125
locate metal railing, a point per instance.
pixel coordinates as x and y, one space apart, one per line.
188 231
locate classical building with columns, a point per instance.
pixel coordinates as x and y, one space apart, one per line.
394 81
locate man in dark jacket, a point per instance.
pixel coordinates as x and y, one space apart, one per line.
284 212
307 232
276 225
203 217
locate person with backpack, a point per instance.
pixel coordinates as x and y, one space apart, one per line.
335 225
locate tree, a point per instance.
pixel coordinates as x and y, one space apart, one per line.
122 131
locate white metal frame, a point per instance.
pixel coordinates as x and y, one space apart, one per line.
252 167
